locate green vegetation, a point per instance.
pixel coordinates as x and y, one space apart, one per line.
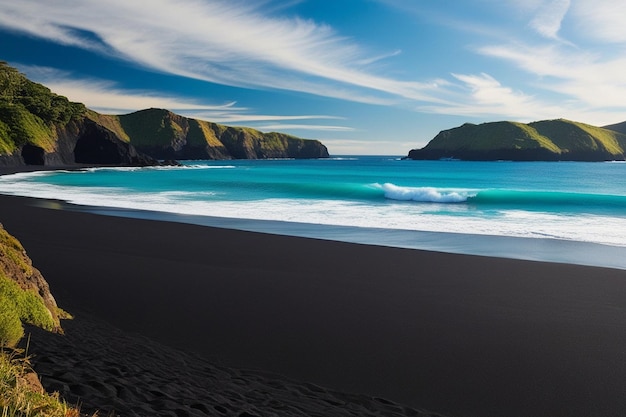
544 140
19 306
496 135
152 127
200 133
574 136
29 112
111 122
12 251
617 127
18 398
158 131
21 394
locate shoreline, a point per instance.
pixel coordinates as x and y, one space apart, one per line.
543 249
508 247
460 335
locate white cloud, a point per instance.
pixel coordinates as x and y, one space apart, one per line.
243 117
548 18
601 20
224 42
583 78
323 128
238 44
486 96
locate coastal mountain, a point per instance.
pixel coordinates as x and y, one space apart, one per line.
166 135
548 140
39 127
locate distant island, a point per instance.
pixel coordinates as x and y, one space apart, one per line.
39 127
548 140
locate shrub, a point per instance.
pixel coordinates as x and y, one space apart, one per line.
11 330
19 306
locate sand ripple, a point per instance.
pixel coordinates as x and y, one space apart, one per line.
119 374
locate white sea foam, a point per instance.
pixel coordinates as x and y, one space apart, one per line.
201 166
457 218
424 194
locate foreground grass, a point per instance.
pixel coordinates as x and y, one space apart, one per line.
18 396
21 393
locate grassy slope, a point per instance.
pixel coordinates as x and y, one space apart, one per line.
19 399
18 306
557 136
111 122
202 132
617 127
575 136
494 135
18 396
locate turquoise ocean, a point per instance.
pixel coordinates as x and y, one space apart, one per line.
570 212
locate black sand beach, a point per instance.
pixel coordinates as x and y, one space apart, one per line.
455 334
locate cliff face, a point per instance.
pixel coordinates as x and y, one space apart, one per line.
550 140
38 127
80 141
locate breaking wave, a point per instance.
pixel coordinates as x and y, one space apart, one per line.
425 194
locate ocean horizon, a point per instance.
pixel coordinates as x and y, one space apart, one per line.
572 212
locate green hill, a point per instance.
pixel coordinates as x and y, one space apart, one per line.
166 135
549 140
617 127
39 127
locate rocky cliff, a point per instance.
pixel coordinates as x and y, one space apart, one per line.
38 127
549 140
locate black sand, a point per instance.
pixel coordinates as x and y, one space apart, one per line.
455 334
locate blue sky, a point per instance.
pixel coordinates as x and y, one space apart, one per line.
363 76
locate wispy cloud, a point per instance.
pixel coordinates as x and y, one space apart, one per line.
548 18
247 44
586 79
226 42
321 128
486 97
601 20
